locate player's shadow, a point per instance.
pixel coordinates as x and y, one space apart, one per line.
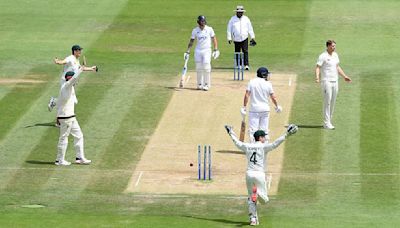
179 89
225 221
310 126
50 124
229 152
39 162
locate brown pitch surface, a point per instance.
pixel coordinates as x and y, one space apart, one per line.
195 118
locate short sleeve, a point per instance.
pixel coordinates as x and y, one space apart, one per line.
320 60
248 86
69 60
212 33
193 34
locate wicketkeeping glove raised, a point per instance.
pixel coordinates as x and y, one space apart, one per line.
292 129
228 129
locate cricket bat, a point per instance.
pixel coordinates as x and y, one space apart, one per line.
183 73
242 130
84 61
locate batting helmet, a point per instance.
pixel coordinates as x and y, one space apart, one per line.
201 18
262 72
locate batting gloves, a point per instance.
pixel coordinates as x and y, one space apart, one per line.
215 54
278 109
243 111
186 55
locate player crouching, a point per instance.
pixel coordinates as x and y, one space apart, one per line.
255 174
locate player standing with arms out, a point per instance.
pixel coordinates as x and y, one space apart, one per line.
70 63
68 122
259 91
256 162
202 54
326 73
239 28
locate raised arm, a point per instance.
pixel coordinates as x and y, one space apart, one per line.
291 129
240 145
59 61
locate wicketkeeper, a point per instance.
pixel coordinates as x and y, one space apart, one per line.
256 160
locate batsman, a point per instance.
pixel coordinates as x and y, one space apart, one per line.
259 91
204 34
256 160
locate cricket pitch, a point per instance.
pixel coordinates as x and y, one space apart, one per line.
195 117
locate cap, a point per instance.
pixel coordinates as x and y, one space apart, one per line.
240 9
259 133
68 74
76 47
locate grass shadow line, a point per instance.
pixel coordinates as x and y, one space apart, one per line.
39 162
49 124
225 221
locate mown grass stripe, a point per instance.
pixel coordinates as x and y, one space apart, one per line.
102 124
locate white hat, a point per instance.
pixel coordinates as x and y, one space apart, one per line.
240 9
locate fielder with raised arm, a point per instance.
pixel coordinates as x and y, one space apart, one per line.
202 54
70 63
258 92
68 122
256 166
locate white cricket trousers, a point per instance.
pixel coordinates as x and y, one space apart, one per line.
257 178
329 90
202 59
258 121
67 127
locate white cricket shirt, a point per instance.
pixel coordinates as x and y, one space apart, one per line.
260 91
67 99
256 152
72 64
239 29
203 37
328 65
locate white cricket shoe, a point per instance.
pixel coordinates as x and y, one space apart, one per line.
205 88
329 126
246 67
82 161
52 103
200 87
253 221
63 163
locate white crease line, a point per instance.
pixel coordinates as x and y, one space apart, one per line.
138 180
290 81
269 181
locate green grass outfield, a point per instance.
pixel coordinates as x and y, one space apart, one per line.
344 178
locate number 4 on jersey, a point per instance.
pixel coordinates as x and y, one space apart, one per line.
253 158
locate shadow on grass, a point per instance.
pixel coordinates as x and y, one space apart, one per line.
225 221
39 162
310 126
229 152
49 124
178 89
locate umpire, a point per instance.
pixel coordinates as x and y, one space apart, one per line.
239 28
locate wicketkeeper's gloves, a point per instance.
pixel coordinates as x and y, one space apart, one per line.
228 129
292 129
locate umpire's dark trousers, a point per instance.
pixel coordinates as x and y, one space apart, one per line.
244 47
